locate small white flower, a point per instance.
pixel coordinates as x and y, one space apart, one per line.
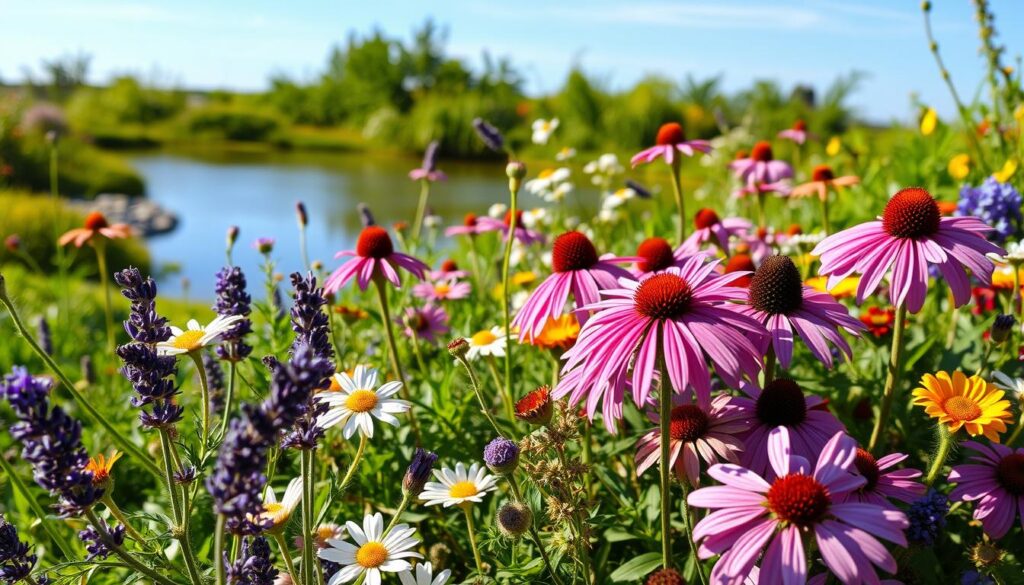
280 512
552 185
566 153
1012 385
535 217
357 401
1014 254
432 221
197 336
373 552
609 216
497 210
542 129
518 299
424 576
458 486
618 197
488 342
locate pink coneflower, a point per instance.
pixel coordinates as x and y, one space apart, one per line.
443 289
470 227
879 487
656 254
761 172
798 133
699 431
910 235
448 269
823 179
95 225
523 235
375 257
996 480
752 514
708 226
670 139
778 298
685 314
740 262
577 270
782 403
426 323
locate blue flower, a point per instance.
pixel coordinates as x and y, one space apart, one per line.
997 204
16 562
232 300
927 518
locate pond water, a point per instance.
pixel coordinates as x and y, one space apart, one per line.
257 192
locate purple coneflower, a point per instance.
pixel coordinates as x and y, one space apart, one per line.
577 270
708 226
470 227
910 235
684 314
882 485
523 235
995 479
448 269
798 133
778 298
374 257
656 254
670 139
427 323
752 514
709 432
761 168
441 288
428 170
782 403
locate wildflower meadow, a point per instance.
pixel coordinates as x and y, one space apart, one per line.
750 356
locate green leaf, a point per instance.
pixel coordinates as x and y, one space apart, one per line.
637 568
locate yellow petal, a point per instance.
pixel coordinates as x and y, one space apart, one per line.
1004 174
959 166
929 121
833 147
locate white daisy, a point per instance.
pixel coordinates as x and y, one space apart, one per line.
1014 254
357 401
566 153
197 336
1013 385
373 551
542 129
618 197
424 576
458 486
280 512
497 210
488 342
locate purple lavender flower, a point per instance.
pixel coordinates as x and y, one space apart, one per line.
253 566
95 545
312 329
501 455
232 300
215 379
301 213
16 560
51 442
418 473
997 204
45 338
144 324
490 135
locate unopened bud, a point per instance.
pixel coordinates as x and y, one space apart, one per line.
232 235
514 519
300 211
458 347
1001 328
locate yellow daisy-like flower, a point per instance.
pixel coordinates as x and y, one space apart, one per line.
1002 278
844 289
929 121
1004 174
558 333
961 402
834 146
959 166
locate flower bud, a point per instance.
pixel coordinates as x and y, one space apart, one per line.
501 456
535 408
514 519
926 6
1001 328
418 472
516 172
458 347
232 236
365 215
12 243
666 577
489 135
300 212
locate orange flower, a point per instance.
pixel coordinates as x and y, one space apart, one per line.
535 408
95 225
100 467
559 333
823 179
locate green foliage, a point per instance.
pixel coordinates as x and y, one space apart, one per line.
239 122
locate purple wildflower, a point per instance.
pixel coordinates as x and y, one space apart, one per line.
16 560
927 518
96 545
997 204
501 455
490 135
232 300
253 566
418 472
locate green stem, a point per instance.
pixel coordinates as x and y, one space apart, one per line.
355 463
1016 308
534 534
100 245
762 221
506 292
116 512
287 558
123 443
302 247
204 387
1016 432
474 255
472 539
406 500
769 365
677 188
688 520
421 209
506 397
228 397
120 552
44 519
306 467
665 420
218 550
172 492
396 364
892 379
946 442
475 383
824 215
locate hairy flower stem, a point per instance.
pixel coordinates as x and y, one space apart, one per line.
506 292
204 387
116 512
688 521
218 550
44 519
172 492
100 245
421 209
282 546
517 494
355 463
475 383
396 364
665 420
308 481
228 397
1016 432
468 509
677 188
123 443
946 442
769 365
303 248
121 553
892 379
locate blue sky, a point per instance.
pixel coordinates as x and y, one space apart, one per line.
238 43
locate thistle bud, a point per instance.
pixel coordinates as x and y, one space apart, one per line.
232 236
514 519
489 135
418 472
501 456
458 347
300 212
1001 328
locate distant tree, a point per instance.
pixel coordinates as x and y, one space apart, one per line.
66 73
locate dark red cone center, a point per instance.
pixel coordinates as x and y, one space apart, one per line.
449 266
868 468
663 296
572 251
656 253
95 221
1010 473
911 213
688 423
469 220
781 403
798 499
671 133
705 218
800 125
519 219
822 173
776 287
762 151
374 242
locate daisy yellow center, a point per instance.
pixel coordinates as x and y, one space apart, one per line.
442 290
546 172
960 408
371 555
188 340
484 338
463 489
361 401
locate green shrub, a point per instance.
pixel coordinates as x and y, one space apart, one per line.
232 122
31 217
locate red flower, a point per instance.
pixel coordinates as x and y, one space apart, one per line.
879 321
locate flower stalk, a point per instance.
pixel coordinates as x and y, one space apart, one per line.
946 442
892 379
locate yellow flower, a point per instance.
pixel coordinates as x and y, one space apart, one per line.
1002 278
523 278
101 467
929 121
959 166
1018 113
845 288
1004 174
558 333
962 402
833 147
